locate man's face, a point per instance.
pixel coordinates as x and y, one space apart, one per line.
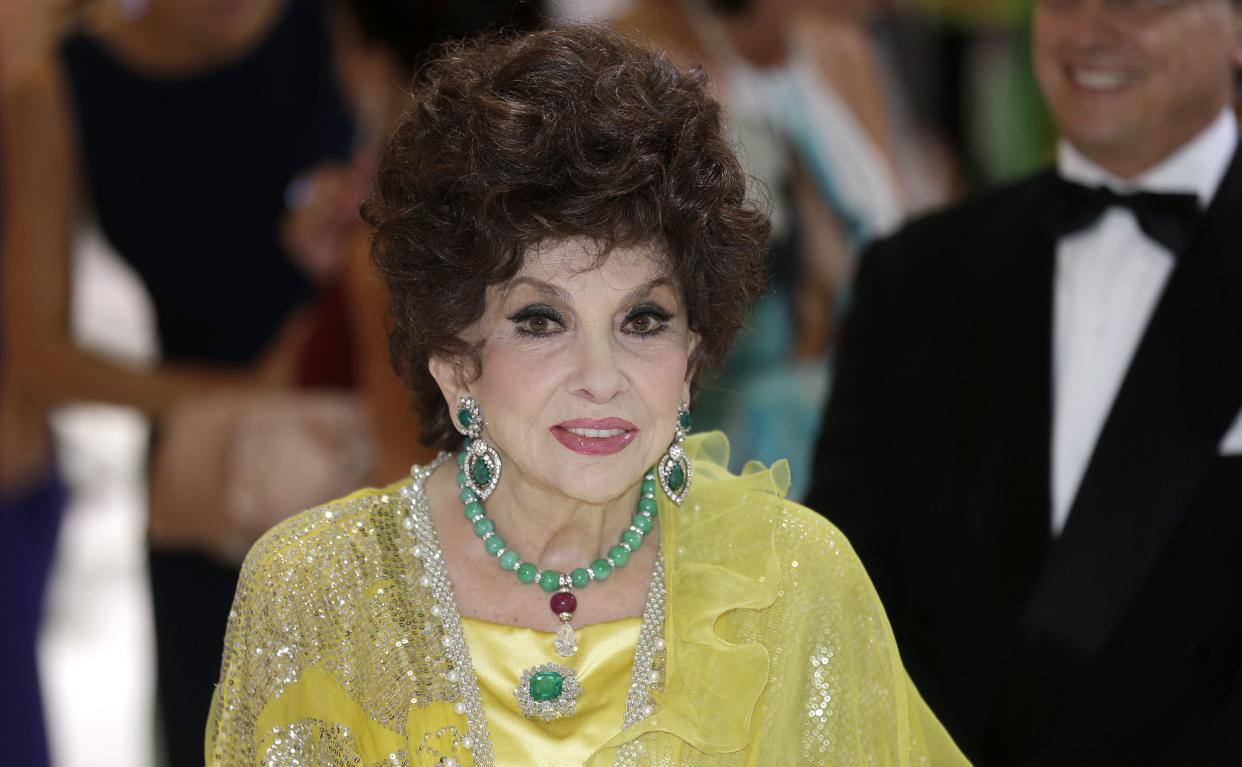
1130 81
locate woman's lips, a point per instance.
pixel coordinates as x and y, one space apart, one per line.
595 436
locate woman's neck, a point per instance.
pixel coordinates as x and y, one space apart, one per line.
553 531
549 531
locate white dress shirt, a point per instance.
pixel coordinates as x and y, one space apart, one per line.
1109 278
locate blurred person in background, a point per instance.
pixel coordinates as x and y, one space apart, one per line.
966 65
32 492
805 104
178 125
32 501
1034 439
377 46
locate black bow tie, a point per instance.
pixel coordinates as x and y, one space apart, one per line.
1166 218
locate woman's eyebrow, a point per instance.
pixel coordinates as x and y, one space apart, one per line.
546 289
642 290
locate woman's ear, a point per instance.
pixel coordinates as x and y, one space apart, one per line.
692 369
448 375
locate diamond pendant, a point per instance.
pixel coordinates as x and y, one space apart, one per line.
548 691
566 641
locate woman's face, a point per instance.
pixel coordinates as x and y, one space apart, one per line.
582 369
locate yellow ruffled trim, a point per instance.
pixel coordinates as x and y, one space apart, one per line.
719 556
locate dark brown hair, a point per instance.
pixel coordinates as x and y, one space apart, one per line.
574 131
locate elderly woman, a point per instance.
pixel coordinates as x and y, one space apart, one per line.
565 234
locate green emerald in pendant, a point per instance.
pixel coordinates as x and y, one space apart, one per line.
481 473
683 420
546 685
676 477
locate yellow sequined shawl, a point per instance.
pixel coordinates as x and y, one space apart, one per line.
779 652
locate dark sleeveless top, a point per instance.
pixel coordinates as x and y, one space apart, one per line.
187 178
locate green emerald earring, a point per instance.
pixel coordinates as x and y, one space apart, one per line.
481 463
674 470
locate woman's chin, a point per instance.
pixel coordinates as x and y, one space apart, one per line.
595 479
603 488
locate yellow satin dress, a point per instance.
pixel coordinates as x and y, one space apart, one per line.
778 651
603 662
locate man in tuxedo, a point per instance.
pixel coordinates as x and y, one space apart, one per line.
1034 439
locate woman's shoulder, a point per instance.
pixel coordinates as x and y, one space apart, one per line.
803 529
810 525
756 496
800 537
752 514
351 526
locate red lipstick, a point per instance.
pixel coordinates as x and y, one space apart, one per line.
595 436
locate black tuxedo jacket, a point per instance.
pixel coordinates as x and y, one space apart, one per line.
1119 642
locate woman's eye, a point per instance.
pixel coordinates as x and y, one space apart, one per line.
645 324
536 325
537 321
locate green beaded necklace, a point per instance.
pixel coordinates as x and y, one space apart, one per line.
560 585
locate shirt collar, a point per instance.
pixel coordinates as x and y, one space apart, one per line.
1198 166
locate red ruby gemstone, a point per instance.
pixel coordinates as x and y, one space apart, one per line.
564 602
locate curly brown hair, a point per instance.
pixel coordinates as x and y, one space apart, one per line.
574 131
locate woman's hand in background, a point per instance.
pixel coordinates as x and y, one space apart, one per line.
322 218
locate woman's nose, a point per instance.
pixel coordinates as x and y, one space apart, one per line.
597 371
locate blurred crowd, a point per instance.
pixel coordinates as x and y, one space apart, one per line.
222 149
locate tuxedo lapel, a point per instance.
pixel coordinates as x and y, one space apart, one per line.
1182 391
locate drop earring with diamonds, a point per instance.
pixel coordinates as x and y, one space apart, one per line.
674 471
482 465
